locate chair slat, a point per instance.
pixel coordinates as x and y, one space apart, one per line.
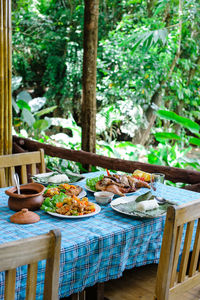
11 176
20 160
10 278
24 174
186 251
42 162
33 169
195 252
31 281
2 178
179 234
30 251
51 283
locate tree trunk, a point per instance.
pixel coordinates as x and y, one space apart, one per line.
89 75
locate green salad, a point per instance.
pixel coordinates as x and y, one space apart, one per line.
49 204
91 182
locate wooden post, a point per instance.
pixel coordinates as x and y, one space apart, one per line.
1 81
89 75
5 78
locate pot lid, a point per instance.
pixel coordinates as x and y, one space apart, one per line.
24 216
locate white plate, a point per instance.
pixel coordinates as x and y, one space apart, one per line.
89 189
42 178
122 200
97 210
115 195
82 194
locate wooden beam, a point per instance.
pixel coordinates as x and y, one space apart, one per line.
171 173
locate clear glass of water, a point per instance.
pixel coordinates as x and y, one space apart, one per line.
157 179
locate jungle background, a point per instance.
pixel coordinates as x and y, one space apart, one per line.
148 78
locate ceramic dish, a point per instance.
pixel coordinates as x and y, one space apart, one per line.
89 189
43 178
115 195
127 206
103 197
80 195
97 210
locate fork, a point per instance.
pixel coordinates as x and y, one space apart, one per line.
161 200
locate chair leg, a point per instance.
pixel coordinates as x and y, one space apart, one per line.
95 292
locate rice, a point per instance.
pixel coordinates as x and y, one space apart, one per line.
58 178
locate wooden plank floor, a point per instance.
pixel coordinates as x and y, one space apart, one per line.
139 284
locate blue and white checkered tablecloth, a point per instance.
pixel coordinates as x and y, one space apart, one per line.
93 249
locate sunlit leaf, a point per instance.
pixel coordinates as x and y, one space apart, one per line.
187 123
24 96
41 124
194 141
37 103
27 117
167 136
45 111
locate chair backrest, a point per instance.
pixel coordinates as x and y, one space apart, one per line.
8 163
178 269
28 252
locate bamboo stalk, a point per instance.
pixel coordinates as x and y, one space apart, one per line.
9 79
1 81
5 58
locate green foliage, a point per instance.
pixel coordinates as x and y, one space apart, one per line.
185 122
27 111
137 46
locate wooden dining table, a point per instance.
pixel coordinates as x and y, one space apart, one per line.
93 249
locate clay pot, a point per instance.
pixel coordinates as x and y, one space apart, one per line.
30 196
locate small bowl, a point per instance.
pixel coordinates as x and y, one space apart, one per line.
103 197
30 197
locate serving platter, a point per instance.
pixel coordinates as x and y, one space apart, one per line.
97 210
82 193
115 195
89 189
127 206
43 178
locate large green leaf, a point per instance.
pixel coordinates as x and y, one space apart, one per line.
41 124
167 136
27 117
24 96
194 141
16 82
37 103
45 111
23 104
187 123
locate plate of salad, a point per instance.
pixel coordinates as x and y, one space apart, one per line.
91 183
64 206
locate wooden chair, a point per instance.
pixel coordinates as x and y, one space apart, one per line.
178 270
8 163
28 252
174 279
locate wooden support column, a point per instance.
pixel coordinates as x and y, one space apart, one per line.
5 78
89 75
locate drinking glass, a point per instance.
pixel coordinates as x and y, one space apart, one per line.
156 184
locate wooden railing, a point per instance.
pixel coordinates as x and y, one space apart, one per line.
171 173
